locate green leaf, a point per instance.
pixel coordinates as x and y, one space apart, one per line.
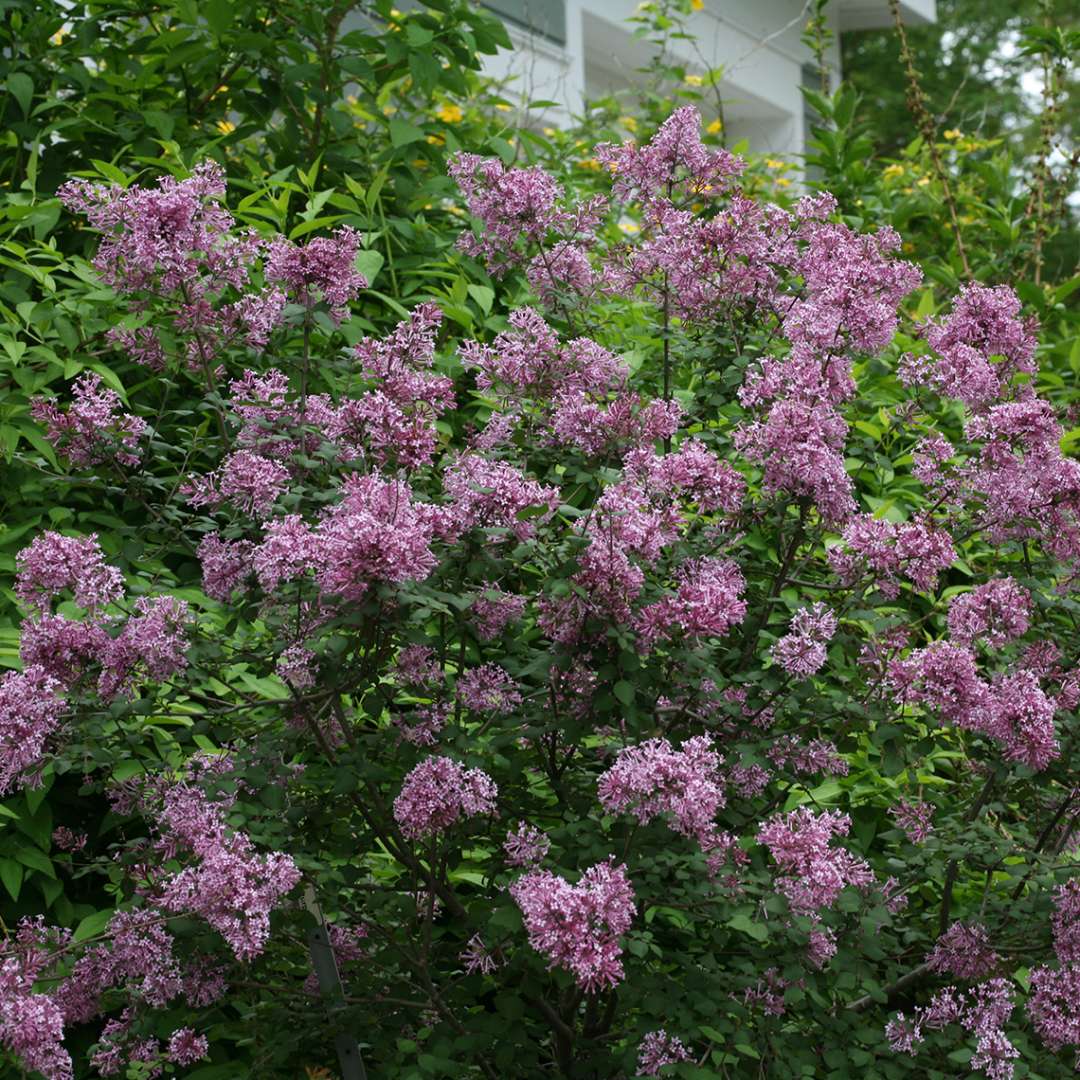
35 796
267 688
369 263
11 874
624 691
92 925
746 925
417 35
316 223
35 860
484 297
391 303
402 133
1064 291
21 88
110 172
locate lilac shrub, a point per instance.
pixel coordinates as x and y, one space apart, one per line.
678 679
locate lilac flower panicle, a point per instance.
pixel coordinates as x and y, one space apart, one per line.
54 563
914 819
323 267
488 689
653 779
439 792
813 874
658 1049
493 610
477 958
997 612
224 880
187 1047
578 926
93 431
528 846
164 237
30 714
964 951
801 652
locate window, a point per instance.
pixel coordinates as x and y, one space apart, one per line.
544 17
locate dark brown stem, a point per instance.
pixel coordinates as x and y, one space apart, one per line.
953 869
916 100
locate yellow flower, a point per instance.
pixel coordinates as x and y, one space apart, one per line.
953 133
503 107
783 181
775 163
628 122
923 181
697 5
58 37
226 127
549 131
436 140
892 171
450 113
693 80
589 163
629 227
715 127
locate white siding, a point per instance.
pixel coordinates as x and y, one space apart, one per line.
756 43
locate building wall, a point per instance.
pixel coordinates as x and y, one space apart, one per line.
756 43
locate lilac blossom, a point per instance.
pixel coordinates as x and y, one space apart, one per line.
707 602
812 873
163 237
477 958
528 846
494 610
654 779
577 927
322 268
488 689
997 612
658 1049
981 1011
225 882
54 563
439 792
914 818
30 714
964 951
93 431
187 1047
801 652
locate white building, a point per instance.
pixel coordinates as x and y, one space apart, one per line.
573 50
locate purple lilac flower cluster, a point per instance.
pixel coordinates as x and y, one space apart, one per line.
438 793
577 927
